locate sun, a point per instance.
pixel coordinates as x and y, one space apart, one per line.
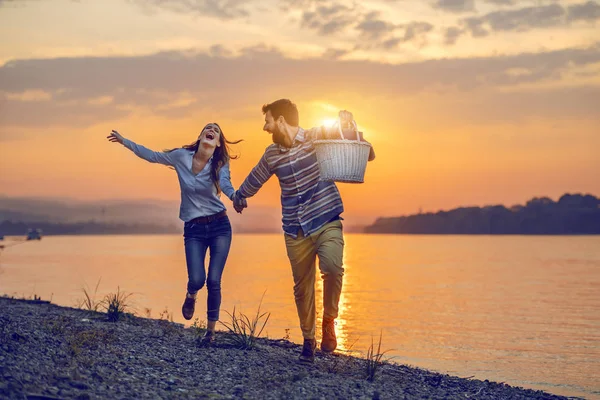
329 122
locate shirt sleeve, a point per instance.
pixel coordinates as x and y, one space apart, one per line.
258 177
225 181
160 157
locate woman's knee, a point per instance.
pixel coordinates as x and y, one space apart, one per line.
195 284
213 285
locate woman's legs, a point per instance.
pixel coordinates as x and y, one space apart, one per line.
219 243
195 253
215 235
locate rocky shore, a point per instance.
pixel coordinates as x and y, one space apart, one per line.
53 352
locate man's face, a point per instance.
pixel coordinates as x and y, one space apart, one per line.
274 128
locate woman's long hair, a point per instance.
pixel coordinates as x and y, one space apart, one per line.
220 157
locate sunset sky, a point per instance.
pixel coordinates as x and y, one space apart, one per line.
466 102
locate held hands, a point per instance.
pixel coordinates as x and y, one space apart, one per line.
239 202
115 137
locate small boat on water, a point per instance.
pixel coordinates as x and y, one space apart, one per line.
34 234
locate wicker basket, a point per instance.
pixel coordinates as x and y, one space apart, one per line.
342 160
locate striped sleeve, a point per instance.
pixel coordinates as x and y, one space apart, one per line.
258 177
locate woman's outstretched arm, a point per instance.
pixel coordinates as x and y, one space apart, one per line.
225 181
165 158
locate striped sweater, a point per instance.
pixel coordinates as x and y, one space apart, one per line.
306 202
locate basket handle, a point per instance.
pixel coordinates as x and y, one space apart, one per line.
339 126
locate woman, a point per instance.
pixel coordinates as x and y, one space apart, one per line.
203 171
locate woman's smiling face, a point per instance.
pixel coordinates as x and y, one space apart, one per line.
211 135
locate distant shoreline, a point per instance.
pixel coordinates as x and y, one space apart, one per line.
20 228
9 238
572 214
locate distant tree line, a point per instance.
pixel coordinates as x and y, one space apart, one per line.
572 214
11 228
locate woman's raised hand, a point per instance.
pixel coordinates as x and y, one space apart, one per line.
115 137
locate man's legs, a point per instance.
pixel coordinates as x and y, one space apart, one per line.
329 242
302 255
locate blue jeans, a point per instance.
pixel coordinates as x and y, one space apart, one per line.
198 238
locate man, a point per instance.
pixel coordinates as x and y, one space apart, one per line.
311 219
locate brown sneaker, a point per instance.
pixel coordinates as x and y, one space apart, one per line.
188 307
329 341
308 351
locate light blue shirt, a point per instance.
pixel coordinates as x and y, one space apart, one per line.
199 196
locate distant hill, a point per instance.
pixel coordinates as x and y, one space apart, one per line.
30 209
10 228
572 214
73 217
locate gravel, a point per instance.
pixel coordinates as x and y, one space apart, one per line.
53 352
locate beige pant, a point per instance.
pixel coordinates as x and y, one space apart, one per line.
328 244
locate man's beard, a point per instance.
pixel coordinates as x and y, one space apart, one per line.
280 138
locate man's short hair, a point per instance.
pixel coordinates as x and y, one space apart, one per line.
283 107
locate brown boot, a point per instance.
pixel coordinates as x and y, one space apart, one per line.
308 351
188 306
328 341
